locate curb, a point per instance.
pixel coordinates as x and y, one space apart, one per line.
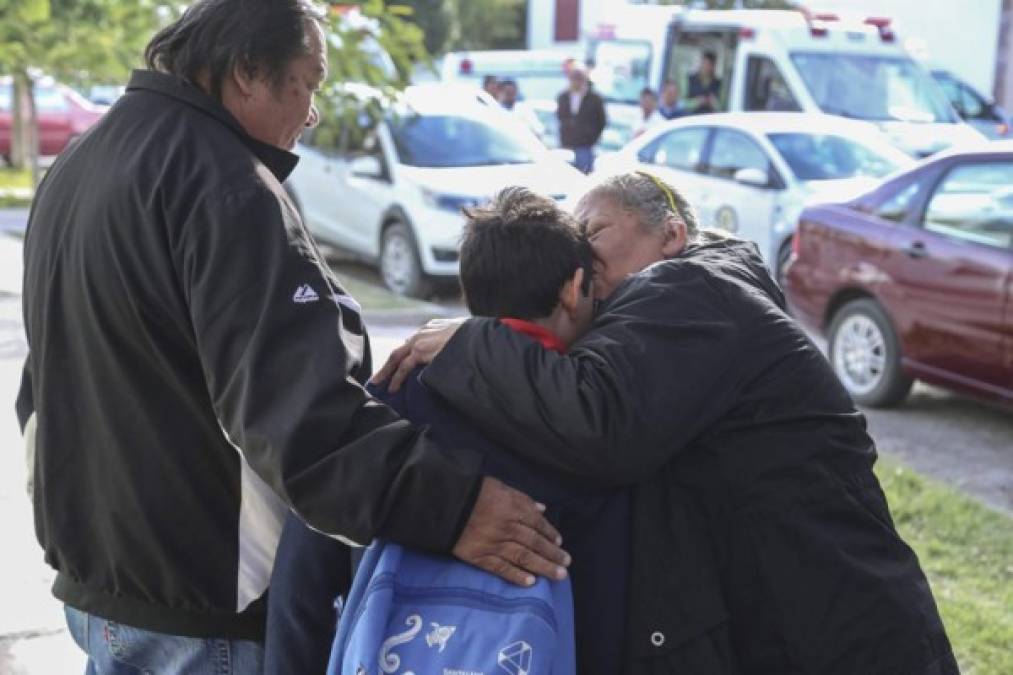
409 317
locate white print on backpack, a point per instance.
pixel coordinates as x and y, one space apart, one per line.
515 658
440 635
304 294
389 663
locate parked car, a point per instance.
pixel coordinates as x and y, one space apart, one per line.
975 108
914 280
390 186
63 116
752 173
106 94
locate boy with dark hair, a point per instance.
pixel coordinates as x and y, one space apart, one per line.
523 261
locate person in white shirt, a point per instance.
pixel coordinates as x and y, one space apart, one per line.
649 115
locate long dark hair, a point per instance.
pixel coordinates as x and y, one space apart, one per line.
216 36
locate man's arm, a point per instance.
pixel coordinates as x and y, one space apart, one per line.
657 369
276 359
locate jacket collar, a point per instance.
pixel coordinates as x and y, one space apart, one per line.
279 162
537 333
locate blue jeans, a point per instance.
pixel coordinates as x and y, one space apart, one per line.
115 649
583 158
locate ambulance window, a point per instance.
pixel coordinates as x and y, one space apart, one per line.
620 69
766 87
686 56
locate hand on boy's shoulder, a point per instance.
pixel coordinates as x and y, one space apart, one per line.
417 350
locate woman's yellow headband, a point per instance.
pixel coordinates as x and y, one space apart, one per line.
664 189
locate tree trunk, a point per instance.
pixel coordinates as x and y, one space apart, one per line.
25 131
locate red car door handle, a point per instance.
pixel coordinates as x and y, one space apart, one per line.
916 249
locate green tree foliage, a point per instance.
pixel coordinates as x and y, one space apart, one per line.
83 42
489 24
77 41
434 19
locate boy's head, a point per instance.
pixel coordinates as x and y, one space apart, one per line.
523 257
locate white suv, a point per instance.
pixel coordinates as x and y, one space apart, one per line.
390 187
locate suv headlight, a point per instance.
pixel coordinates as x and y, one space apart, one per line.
448 202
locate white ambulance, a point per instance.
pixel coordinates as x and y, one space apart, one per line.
785 60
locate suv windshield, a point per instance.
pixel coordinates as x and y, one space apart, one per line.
876 88
620 69
454 141
828 157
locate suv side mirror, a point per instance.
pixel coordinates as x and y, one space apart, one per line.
752 177
367 166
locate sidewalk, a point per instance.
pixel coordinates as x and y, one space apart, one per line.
11 265
33 637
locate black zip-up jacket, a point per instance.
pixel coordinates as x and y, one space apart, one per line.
762 542
195 370
582 127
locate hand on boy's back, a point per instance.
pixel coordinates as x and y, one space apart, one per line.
418 350
508 535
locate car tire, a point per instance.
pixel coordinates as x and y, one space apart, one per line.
781 264
400 264
865 354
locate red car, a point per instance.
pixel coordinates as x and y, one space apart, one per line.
63 116
914 280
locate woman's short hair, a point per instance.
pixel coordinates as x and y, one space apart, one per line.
653 200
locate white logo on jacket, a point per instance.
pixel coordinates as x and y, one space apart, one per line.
304 294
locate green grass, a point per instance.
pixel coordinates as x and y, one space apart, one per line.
11 180
967 552
15 178
375 298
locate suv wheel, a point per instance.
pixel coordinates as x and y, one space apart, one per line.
400 265
783 258
865 354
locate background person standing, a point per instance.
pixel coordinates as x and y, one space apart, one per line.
581 114
670 108
649 114
704 87
490 83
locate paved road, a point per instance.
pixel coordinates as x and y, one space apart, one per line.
13 220
959 440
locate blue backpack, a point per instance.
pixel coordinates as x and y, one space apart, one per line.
418 614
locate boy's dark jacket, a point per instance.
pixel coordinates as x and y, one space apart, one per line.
762 542
594 522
